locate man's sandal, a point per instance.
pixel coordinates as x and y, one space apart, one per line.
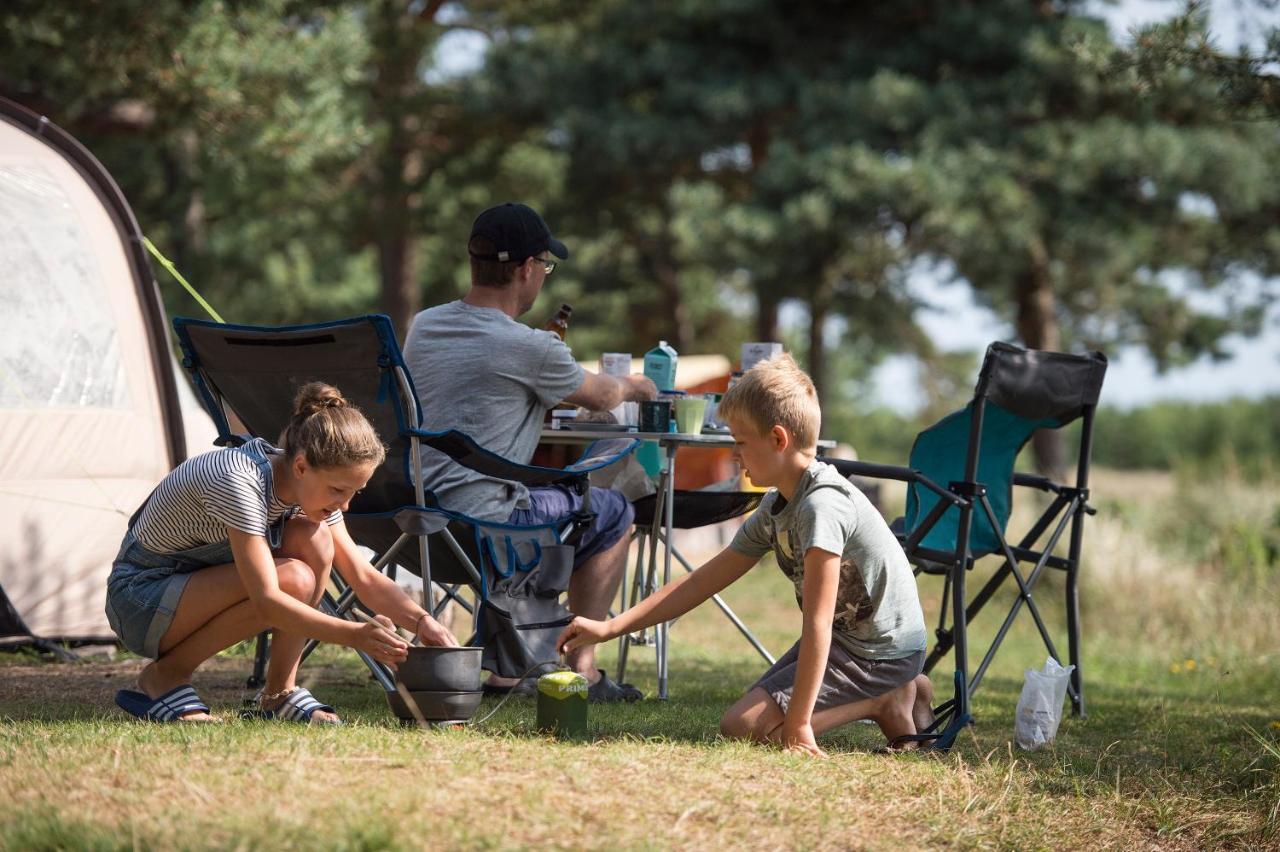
299 706
167 708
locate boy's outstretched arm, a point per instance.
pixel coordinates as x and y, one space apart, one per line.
671 601
821 582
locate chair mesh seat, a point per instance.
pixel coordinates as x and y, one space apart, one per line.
694 509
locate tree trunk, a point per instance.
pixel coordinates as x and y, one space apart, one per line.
672 312
766 315
1037 324
818 312
396 60
396 265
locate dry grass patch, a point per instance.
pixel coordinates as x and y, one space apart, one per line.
1171 756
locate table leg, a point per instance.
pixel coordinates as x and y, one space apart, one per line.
668 523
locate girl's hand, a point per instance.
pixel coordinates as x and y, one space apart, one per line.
378 639
580 632
432 632
799 738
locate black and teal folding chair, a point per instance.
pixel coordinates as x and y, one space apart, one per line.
960 485
518 573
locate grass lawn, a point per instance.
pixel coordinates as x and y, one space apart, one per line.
1179 750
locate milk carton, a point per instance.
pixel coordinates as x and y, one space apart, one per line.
754 353
660 366
618 364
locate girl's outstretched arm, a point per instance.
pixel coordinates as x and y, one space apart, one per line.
377 591
257 570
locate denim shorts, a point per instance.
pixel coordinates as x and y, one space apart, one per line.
614 516
144 589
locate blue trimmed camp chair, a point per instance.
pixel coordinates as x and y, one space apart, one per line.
960 484
251 374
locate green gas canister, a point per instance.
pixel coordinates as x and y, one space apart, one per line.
562 704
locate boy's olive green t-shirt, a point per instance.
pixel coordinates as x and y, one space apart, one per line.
877 615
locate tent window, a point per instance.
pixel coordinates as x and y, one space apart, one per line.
59 344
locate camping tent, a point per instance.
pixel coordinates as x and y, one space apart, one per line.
91 416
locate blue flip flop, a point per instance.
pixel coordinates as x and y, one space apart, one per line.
167 708
300 706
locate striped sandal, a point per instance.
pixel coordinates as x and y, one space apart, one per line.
167 708
299 706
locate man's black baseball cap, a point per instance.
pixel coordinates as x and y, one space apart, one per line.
517 233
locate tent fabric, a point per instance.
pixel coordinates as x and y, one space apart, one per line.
90 413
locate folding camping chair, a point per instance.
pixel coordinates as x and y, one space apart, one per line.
947 527
518 573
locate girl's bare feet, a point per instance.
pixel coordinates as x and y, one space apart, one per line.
153 683
318 716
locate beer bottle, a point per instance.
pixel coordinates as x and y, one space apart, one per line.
559 322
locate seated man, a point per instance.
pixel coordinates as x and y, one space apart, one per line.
481 372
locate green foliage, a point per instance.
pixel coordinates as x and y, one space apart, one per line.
708 162
1238 434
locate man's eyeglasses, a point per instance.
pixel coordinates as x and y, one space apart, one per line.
548 265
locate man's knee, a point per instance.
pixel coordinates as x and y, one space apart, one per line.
297 579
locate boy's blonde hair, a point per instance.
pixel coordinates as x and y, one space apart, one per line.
776 393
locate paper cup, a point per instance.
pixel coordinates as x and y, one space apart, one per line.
689 414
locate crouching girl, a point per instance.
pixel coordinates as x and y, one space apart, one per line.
241 540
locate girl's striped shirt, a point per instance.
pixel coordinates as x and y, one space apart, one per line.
200 498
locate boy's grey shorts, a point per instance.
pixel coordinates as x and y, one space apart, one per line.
848 677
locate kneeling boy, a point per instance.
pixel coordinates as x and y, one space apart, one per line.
861 649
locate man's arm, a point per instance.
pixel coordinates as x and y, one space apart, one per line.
601 393
671 601
380 594
821 582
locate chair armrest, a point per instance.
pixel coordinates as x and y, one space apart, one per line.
847 467
463 449
600 454
1042 483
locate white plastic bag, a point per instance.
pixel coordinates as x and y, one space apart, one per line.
1040 705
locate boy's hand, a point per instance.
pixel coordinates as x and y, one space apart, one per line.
799 738
582 631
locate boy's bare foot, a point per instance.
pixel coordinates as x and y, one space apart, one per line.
153 683
922 710
895 713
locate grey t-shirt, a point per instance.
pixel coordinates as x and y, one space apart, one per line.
479 371
877 615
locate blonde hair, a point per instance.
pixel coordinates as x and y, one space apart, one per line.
776 392
329 431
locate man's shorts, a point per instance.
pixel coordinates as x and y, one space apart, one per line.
614 516
848 677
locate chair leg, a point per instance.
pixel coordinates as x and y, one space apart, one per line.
1073 642
258 678
624 641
